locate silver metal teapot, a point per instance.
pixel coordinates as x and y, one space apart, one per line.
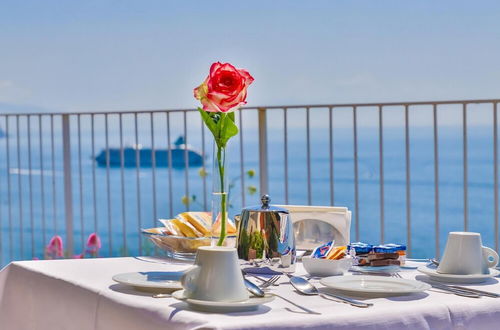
265 233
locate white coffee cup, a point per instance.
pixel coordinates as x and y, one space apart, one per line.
465 254
215 276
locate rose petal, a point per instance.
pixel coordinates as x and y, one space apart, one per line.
200 91
210 106
248 78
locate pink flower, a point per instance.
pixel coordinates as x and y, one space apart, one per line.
225 88
55 247
93 244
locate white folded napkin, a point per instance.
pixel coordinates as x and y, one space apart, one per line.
315 225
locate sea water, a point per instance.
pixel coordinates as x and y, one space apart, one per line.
132 206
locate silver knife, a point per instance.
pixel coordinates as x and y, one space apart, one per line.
458 292
480 292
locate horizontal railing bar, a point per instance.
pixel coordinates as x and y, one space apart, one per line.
333 105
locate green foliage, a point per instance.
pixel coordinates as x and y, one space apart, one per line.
257 243
190 200
251 190
202 173
185 200
222 125
244 243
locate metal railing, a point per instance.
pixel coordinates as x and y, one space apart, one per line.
74 193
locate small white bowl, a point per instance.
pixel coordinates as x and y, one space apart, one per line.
326 267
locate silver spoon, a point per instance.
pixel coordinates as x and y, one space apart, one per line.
304 286
254 289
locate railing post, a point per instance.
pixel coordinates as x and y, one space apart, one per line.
263 175
68 190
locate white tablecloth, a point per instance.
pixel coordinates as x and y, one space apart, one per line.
80 294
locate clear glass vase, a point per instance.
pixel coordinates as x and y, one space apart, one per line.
220 198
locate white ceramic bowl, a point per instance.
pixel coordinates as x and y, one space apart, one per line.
326 267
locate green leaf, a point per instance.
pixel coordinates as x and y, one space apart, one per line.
209 122
228 129
221 125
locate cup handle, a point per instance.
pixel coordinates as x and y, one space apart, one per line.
487 253
188 280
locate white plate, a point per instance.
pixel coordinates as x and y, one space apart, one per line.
374 285
219 306
451 278
151 281
381 269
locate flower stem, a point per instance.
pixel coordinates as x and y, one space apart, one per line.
223 201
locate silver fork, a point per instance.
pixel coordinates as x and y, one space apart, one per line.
262 279
447 288
269 282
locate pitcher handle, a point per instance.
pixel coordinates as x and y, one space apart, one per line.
490 257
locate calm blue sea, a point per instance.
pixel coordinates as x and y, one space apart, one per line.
41 215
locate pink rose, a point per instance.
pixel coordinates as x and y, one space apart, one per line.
55 247
93 244
225 88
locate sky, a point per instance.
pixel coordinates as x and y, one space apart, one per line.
98 55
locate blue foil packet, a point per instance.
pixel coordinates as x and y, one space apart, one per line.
360 248
389 248
322 250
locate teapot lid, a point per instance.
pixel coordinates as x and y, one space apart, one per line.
266 206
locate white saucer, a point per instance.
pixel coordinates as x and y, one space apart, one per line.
374 285
151 281
220 306
452 278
